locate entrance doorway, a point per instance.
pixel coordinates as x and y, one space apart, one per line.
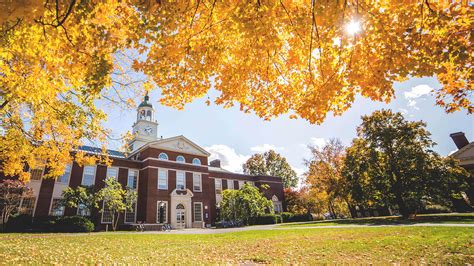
180 216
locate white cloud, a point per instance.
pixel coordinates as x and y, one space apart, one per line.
403 111
318 142
230 159
265 147
415 93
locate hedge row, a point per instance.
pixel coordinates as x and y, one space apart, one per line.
284 217
66 224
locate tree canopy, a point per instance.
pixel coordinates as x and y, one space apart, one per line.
302 58
391 163
272 164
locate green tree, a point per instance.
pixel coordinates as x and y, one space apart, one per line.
392 163
244 204
116 199
11 194
86 196
272 164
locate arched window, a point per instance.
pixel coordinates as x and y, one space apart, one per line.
180 159
163 156
148 115
196 161
180 207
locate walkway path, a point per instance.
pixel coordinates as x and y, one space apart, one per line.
197 231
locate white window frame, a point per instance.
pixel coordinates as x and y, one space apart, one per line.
134 216
180 161
128 178
230 184
102 215
194 212
184 180
51 208
197 176
84 173
42 173
241 184
163 153
158 212
59 179
32 208
166 179
218 181
110 168
197 161
89 211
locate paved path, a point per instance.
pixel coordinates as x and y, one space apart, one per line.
196 231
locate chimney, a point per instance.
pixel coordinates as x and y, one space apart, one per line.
459 139
215 163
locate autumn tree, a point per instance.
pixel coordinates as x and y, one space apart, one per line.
59 59
324 176
392 163
116 199
302 201
272 164
11 194
244 204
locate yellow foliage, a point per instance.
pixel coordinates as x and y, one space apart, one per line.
58 58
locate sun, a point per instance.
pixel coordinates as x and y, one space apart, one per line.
353 27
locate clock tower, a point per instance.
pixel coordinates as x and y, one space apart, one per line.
146 127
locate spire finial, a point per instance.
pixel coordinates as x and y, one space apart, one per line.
146 97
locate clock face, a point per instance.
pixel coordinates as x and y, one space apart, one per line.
148 131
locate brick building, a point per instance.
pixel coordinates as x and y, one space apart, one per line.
175 182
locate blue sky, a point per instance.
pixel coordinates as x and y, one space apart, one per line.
233 136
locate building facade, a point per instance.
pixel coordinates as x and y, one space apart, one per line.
465 156
174 181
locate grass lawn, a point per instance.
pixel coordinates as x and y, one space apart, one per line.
350 245
448 218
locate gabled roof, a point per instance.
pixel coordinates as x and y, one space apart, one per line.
463 153
161 143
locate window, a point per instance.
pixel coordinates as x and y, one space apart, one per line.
82 210
36 173
180 180
132 179
112 172
198 211
57 209
88 176
196 161
250 183
180 159
161 212
130 214
277 206
27 206
230 184
241 184
218 186
106 214
163 156
163 179
196 182
65 177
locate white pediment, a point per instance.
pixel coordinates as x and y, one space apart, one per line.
179 144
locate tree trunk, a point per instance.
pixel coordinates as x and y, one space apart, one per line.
402 207
115 220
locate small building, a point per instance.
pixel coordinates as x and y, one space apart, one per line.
174 181
465 155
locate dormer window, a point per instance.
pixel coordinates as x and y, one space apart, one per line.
163 156
180 159
196 161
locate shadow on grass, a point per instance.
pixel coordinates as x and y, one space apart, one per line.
396 220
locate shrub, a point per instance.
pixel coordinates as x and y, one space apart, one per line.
434 208
289 217
266 219
74 224
19 223
45 224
